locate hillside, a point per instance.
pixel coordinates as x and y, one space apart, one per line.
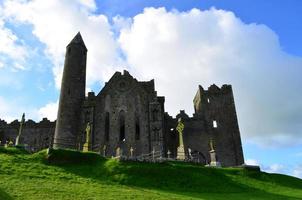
75 175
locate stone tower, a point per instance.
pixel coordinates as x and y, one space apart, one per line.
72 95
216 107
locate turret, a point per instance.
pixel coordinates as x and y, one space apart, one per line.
72 95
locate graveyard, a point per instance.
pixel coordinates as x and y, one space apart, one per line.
67 174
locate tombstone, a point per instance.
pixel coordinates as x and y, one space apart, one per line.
131 152
11 143
153 154
169 154
190 153
180 149
118 152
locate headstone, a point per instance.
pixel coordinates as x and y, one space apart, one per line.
118 152
10 144
153 154
180 149
169 154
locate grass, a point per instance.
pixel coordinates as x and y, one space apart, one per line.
75 175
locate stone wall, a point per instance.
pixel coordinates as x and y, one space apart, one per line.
36 135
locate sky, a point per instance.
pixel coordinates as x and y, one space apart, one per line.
254 45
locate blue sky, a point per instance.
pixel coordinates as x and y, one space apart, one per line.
253 45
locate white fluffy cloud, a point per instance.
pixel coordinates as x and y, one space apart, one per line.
49 111
12 110
298 171
11 47
56 22
251 162
183 49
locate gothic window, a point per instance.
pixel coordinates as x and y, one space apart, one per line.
137 129
107 125
155 115
122 126
69 50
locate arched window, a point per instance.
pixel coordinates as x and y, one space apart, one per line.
137 129
107 126
122 125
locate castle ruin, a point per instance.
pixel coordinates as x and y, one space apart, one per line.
128 115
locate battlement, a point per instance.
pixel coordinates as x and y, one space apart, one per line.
44 123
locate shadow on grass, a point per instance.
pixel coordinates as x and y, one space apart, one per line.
173 177
4 195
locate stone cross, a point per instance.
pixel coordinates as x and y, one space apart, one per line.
20 129
211 145
104 150
86 145
180 149
180 127
88 129
131 152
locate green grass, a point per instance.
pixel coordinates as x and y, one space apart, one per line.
75 175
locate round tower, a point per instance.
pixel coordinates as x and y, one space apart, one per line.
72 95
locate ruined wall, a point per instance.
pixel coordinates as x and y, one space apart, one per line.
216 108
36 135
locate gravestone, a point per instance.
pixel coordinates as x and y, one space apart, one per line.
118 152
169 154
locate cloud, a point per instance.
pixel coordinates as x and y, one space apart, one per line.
49 111
275 168
180 50
56 22
11 47
13 109
183 49
297 172
251 162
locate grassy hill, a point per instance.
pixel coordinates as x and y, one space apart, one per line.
75 175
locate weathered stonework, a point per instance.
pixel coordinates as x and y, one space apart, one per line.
36 136
72 95
127 118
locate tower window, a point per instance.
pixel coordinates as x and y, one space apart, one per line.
122 126
69 50
107 125
214 124
137 129
208 100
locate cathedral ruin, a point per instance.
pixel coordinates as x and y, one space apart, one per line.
127 115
